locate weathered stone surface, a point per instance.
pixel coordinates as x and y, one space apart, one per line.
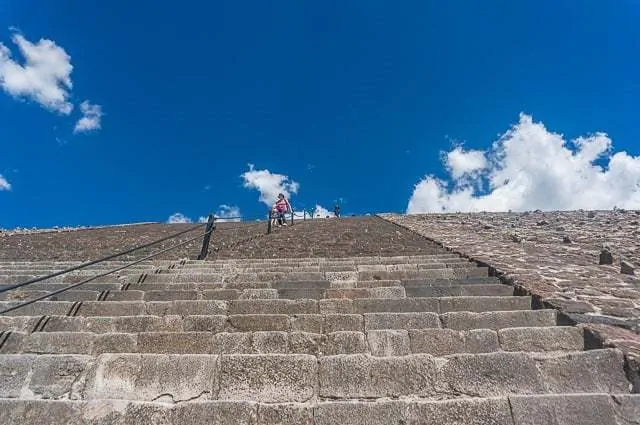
484 411
13 374
540 264
270 378
152 377
594 371
376 376
345 342
502 373
285 414
373 321
387 343
574 409
463 320
356 413
561 338
270 342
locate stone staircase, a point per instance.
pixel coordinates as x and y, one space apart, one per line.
416 339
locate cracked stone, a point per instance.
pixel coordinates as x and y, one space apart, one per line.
566 239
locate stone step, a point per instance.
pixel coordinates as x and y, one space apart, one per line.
441 272
556 409
381 342
271 306
50 287
298 378
313 323
236 286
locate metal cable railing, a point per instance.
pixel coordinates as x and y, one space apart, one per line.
100 260
75 285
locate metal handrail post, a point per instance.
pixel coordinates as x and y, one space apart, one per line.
211 225
269 222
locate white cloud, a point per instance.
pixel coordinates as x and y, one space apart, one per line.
225 213
4 184
322 212
269 184
178 218
45 76
91 117
529 168
460 162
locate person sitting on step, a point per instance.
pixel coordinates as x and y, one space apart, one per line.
282 206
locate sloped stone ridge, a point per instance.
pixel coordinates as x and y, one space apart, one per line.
585 279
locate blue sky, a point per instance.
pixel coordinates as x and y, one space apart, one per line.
364 101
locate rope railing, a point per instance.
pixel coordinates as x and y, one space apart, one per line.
117 269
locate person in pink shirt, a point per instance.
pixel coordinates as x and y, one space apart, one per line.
282 206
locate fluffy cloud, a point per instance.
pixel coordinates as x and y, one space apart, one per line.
45 76
528 168
91 116
4 184
322 212
269 184
461 163
225 213
179 218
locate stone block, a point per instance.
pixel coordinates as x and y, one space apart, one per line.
373 377
270 342
502 373
152 377
285 414
169 295
115 343
464 320
233 343
175 342
387 343
259 322
564 409
374 321
594 371
335 306
344 342
273 378
58 376
59 343
273 307
220 294
560 338
343 322
40 412
214 323
482 304
259 294
466 411
112 308
307 323
214 412
187 307
306 343
395 305
361 412
13 373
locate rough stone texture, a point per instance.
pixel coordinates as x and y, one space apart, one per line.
268 378
565 276
152 377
